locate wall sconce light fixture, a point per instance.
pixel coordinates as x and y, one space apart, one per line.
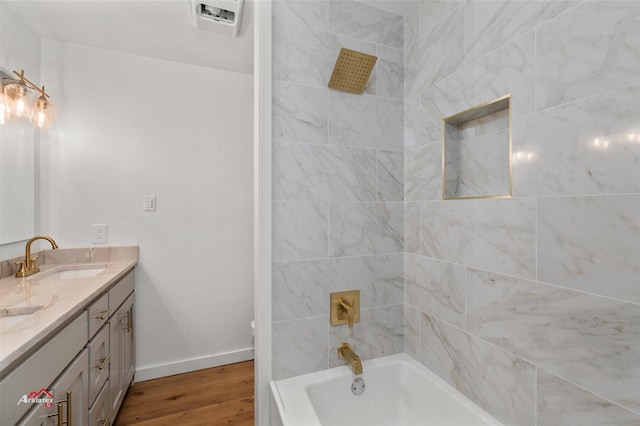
21 98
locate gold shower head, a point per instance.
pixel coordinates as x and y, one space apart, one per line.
352 71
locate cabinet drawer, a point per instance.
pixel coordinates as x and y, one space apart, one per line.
99 412
121 291
98 314
99 356
40 370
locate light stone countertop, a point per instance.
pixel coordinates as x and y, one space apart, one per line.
63 299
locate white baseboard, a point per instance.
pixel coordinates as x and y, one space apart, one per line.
187 365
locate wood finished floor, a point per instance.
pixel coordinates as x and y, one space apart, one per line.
215 396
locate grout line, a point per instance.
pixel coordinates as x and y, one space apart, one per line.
466 303
328 230
535 281
536 246
589 391
535 395
535 71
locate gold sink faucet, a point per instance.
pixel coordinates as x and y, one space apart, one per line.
29 266
346 352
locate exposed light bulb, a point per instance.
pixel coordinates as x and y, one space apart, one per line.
19 107
4 109
43 114
40 118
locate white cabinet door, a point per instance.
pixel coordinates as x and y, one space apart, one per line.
129 347
116 330
122 350
99 413
40 369
99 356
70 393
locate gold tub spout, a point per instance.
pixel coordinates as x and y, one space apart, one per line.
346 352
29 266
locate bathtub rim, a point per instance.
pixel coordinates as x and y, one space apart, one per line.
302 407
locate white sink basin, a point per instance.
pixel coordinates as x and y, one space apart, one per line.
69 274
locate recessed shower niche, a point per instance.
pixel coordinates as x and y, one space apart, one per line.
476 152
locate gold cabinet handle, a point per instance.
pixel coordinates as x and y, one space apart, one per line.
104 314
58 414
69 411
105 421
103 362
129 325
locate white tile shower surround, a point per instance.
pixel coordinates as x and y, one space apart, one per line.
550 276
338 183
529 305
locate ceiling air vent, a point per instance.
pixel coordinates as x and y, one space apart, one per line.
219 16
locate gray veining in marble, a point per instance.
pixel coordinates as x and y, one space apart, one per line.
591 146
301 288
411 26
590 340
366 228
442 49
481 166
423 173
561 403
501 383
358 20
585 243
308 13
390 181
412 228
592 48
304 172
365 121
300 113
491 24
389 288
302 55
390 73
436 288
510 69
433 12
300 230
301 346
412 129
496 235
412 331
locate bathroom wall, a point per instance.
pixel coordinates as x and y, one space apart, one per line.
19 49
530 306
131 125
337 184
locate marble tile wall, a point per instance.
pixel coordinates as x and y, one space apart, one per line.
338 184
530 306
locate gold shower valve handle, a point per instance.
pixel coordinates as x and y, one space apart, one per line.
348 309
345 307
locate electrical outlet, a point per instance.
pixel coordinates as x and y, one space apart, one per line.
99 234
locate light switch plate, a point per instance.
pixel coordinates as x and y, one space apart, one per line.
150 203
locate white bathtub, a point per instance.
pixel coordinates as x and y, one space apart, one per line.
399 392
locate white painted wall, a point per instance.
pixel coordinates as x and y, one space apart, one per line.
130 125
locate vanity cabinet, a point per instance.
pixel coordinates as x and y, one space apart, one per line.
70 393
87 366
122 354
41 369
